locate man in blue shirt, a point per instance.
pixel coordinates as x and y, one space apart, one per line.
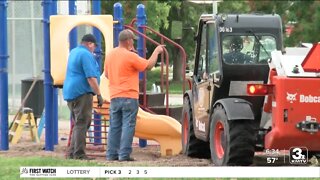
81 83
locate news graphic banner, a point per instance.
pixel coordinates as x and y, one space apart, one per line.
296 156
170 172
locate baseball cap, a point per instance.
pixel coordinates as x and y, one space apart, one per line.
89 38
126 34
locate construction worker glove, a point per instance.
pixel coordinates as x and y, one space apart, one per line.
100 100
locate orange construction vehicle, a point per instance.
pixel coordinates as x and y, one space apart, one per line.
292 100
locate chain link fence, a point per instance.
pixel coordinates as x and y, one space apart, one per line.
25 45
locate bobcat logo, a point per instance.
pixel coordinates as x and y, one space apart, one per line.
291 97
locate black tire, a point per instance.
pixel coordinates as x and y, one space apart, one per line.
232 143
314 153
191 146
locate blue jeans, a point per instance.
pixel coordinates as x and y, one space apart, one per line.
123 114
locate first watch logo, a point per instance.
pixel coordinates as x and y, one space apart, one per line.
24 171
298 155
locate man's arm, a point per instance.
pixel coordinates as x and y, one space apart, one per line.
154 57
94 85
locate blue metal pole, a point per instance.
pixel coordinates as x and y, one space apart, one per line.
73 36
141 21
4 144
54 7
55 93
96 32
118 27
48 88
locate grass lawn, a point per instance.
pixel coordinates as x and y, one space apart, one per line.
153 77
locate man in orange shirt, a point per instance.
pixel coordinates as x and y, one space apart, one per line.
122 68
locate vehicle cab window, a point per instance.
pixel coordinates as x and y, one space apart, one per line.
202 70
213 61
248 49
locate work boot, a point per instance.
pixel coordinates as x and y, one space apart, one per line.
69 156
84 157
127 159
113 159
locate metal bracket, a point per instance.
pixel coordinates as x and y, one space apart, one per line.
209 88
310 125
4 4
3 70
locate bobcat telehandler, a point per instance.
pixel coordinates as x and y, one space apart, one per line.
243 99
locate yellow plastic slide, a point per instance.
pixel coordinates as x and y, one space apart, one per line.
163 129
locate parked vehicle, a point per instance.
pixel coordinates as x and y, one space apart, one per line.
238 104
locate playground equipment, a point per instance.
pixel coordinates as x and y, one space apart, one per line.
51 93
174 112
4 144
60 27
163 129
49 9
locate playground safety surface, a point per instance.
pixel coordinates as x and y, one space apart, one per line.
149 155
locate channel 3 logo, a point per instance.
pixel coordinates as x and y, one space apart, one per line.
298 155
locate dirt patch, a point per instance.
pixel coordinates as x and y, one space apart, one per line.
148 156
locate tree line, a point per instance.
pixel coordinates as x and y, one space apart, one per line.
300 17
